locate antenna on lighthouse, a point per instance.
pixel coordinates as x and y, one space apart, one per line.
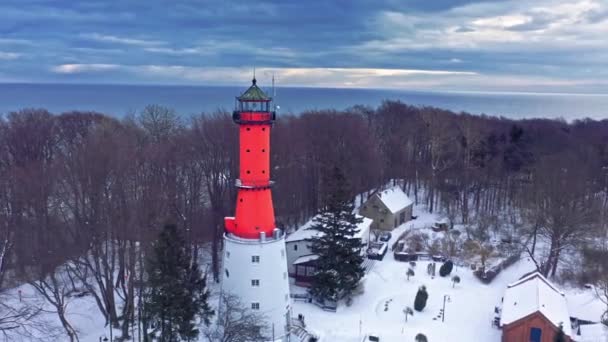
274 95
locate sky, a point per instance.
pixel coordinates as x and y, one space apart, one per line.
459 45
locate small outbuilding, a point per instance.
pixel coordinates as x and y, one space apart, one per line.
301 260
533 309
388 208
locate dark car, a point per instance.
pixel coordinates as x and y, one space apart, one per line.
384 237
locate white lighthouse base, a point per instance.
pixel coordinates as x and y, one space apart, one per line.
256 272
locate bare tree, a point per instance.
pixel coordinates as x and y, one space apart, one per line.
23 319
237 323
214 140
57 290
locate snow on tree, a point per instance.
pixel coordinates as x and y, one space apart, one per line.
408 311
410 273
421 338
446 268
339 266
596 272
237 323
421 298
455 280
560 336
175 300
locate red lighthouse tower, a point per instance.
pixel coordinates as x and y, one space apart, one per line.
255 263
254 210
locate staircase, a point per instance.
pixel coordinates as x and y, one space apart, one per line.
368 264
300 332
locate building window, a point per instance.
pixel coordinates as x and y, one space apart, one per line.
402 217
255 282
396 223
300 270
227 255
255 259
535 334
381 220
295 247
255 306
227 273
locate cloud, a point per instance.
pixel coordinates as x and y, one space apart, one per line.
122 40
550 43
82 68
9 55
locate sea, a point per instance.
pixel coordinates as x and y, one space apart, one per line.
121 100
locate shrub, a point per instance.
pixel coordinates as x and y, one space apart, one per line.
421 338
446 268
455 280
410 273
421 298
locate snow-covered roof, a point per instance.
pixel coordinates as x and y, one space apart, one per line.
394 199
592 333
303 233
305 258
534 293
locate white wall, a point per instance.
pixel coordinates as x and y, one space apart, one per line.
272 294
293 255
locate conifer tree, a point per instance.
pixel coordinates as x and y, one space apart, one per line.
339 266
560 336
421 297
176 294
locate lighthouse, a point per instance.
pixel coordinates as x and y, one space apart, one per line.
255 264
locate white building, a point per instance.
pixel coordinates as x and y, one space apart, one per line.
300 259
255 271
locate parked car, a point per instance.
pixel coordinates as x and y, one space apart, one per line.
371 338
385 237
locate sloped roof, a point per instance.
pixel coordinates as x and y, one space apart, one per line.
394 199
534 293
305 258
593 333
303 233
254 93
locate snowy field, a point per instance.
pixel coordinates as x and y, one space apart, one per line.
468 313
379 310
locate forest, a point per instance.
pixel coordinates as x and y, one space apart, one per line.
85 194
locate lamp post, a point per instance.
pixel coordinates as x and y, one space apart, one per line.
443 310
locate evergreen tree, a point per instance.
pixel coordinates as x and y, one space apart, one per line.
446 268
420 337
176 290
421 297
339 266
560 336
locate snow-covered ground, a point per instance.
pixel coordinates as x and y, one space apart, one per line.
468 316
379 309
468 313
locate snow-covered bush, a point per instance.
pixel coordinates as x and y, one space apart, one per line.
410 273
455 280
421 298
446 268
421 338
